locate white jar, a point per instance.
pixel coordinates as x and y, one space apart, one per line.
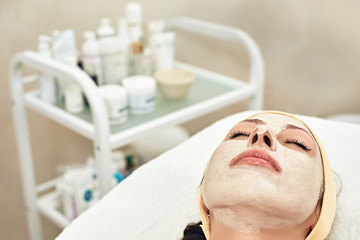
116 102
142 93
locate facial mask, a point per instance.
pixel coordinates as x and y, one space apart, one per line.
251 197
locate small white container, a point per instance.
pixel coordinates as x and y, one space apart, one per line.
142 93
116 101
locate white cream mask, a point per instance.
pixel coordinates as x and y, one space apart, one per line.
252 195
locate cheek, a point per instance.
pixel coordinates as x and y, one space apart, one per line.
218 177
222 156
302 175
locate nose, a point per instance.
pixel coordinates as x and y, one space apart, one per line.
261 138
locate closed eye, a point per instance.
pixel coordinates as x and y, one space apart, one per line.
298 143
236 134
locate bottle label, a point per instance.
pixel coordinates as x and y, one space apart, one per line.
114 67
92 66
142 103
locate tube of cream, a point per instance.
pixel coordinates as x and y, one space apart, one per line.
163 50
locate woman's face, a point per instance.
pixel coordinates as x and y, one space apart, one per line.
267 174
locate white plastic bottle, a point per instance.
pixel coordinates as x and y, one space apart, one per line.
123 34
163 45
113 57
138 59
125 43
47 83
63 46
91 57
74 101
133 15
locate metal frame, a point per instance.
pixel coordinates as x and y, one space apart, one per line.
99 132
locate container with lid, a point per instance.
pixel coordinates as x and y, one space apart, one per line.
116 102
141 92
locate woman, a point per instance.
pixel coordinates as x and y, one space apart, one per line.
269 179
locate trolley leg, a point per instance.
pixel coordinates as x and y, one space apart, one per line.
25 156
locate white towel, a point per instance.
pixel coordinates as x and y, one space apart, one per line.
160 198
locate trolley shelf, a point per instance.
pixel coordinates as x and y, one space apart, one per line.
210 91
48 205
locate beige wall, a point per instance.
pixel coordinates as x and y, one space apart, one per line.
311 51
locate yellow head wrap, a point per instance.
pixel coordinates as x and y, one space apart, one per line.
328 207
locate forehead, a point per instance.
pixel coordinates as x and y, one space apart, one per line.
278 121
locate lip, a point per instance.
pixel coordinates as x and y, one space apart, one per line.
256 157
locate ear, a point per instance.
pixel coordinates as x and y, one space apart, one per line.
315 216
203 205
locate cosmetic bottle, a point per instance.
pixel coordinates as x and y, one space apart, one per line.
163 46
133 15
155 27
113 56
125 43
47 83
63 46
139 59
91 57
75 190
74 101
123 34
141 93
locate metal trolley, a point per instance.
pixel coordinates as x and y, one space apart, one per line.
220 91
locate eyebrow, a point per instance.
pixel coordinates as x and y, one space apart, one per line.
290 126
257 121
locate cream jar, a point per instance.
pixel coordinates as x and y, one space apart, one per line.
116 101
141 92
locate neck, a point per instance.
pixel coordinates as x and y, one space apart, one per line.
220 231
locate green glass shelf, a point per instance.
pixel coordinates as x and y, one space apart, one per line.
200 91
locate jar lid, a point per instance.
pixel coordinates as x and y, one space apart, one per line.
112 91
139 84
